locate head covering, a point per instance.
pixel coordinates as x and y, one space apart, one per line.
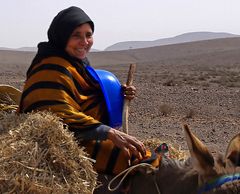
59 32
64 24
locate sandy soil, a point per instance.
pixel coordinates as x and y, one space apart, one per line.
196 83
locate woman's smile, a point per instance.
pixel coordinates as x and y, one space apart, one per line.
80 41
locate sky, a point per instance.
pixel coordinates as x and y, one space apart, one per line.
24 23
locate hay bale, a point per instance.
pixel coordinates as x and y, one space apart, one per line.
38 154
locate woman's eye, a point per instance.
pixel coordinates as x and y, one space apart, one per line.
76 36
89 35
82 37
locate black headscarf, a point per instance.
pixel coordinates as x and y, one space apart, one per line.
64 23
59 32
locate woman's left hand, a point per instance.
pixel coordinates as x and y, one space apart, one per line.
129 92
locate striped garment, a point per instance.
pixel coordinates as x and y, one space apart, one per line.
56 85
68 90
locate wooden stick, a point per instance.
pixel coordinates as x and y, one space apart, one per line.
126 102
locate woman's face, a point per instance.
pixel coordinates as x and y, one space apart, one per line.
80 41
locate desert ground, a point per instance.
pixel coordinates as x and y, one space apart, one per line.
196 83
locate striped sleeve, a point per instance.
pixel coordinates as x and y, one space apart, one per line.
55 85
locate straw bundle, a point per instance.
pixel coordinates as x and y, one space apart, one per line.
39 155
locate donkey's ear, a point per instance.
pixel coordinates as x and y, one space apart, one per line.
232 156
202 159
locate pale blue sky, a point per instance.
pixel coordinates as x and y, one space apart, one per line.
25 22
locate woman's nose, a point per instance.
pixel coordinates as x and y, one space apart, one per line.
84 40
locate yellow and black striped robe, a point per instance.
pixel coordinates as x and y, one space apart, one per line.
66 89
56 85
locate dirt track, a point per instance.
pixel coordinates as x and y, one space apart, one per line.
199 88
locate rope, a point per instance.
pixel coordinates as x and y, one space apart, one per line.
126 172
156 185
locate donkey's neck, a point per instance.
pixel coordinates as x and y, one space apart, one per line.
177 177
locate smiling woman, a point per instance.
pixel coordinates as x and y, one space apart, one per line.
60 79
80 41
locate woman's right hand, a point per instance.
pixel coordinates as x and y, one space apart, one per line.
129 144
129 92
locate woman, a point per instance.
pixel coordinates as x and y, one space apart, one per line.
58 80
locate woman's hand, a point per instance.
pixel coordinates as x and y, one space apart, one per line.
129 92
129 144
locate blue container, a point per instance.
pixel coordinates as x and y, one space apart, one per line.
112 91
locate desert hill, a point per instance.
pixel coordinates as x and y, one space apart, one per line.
168 52
127 45
186 37
222 47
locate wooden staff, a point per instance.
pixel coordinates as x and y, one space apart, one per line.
126 102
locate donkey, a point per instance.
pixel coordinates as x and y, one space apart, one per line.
199 174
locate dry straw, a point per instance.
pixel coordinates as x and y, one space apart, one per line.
174 152
39 155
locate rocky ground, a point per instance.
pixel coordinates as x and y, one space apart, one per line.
202 90
206 98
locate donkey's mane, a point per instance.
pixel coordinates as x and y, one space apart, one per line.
178 165
168 162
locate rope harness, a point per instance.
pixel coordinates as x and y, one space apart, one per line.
161 150
127 171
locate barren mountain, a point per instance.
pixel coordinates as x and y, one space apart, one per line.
187 37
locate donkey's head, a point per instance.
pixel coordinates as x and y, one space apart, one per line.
221 175
201 173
